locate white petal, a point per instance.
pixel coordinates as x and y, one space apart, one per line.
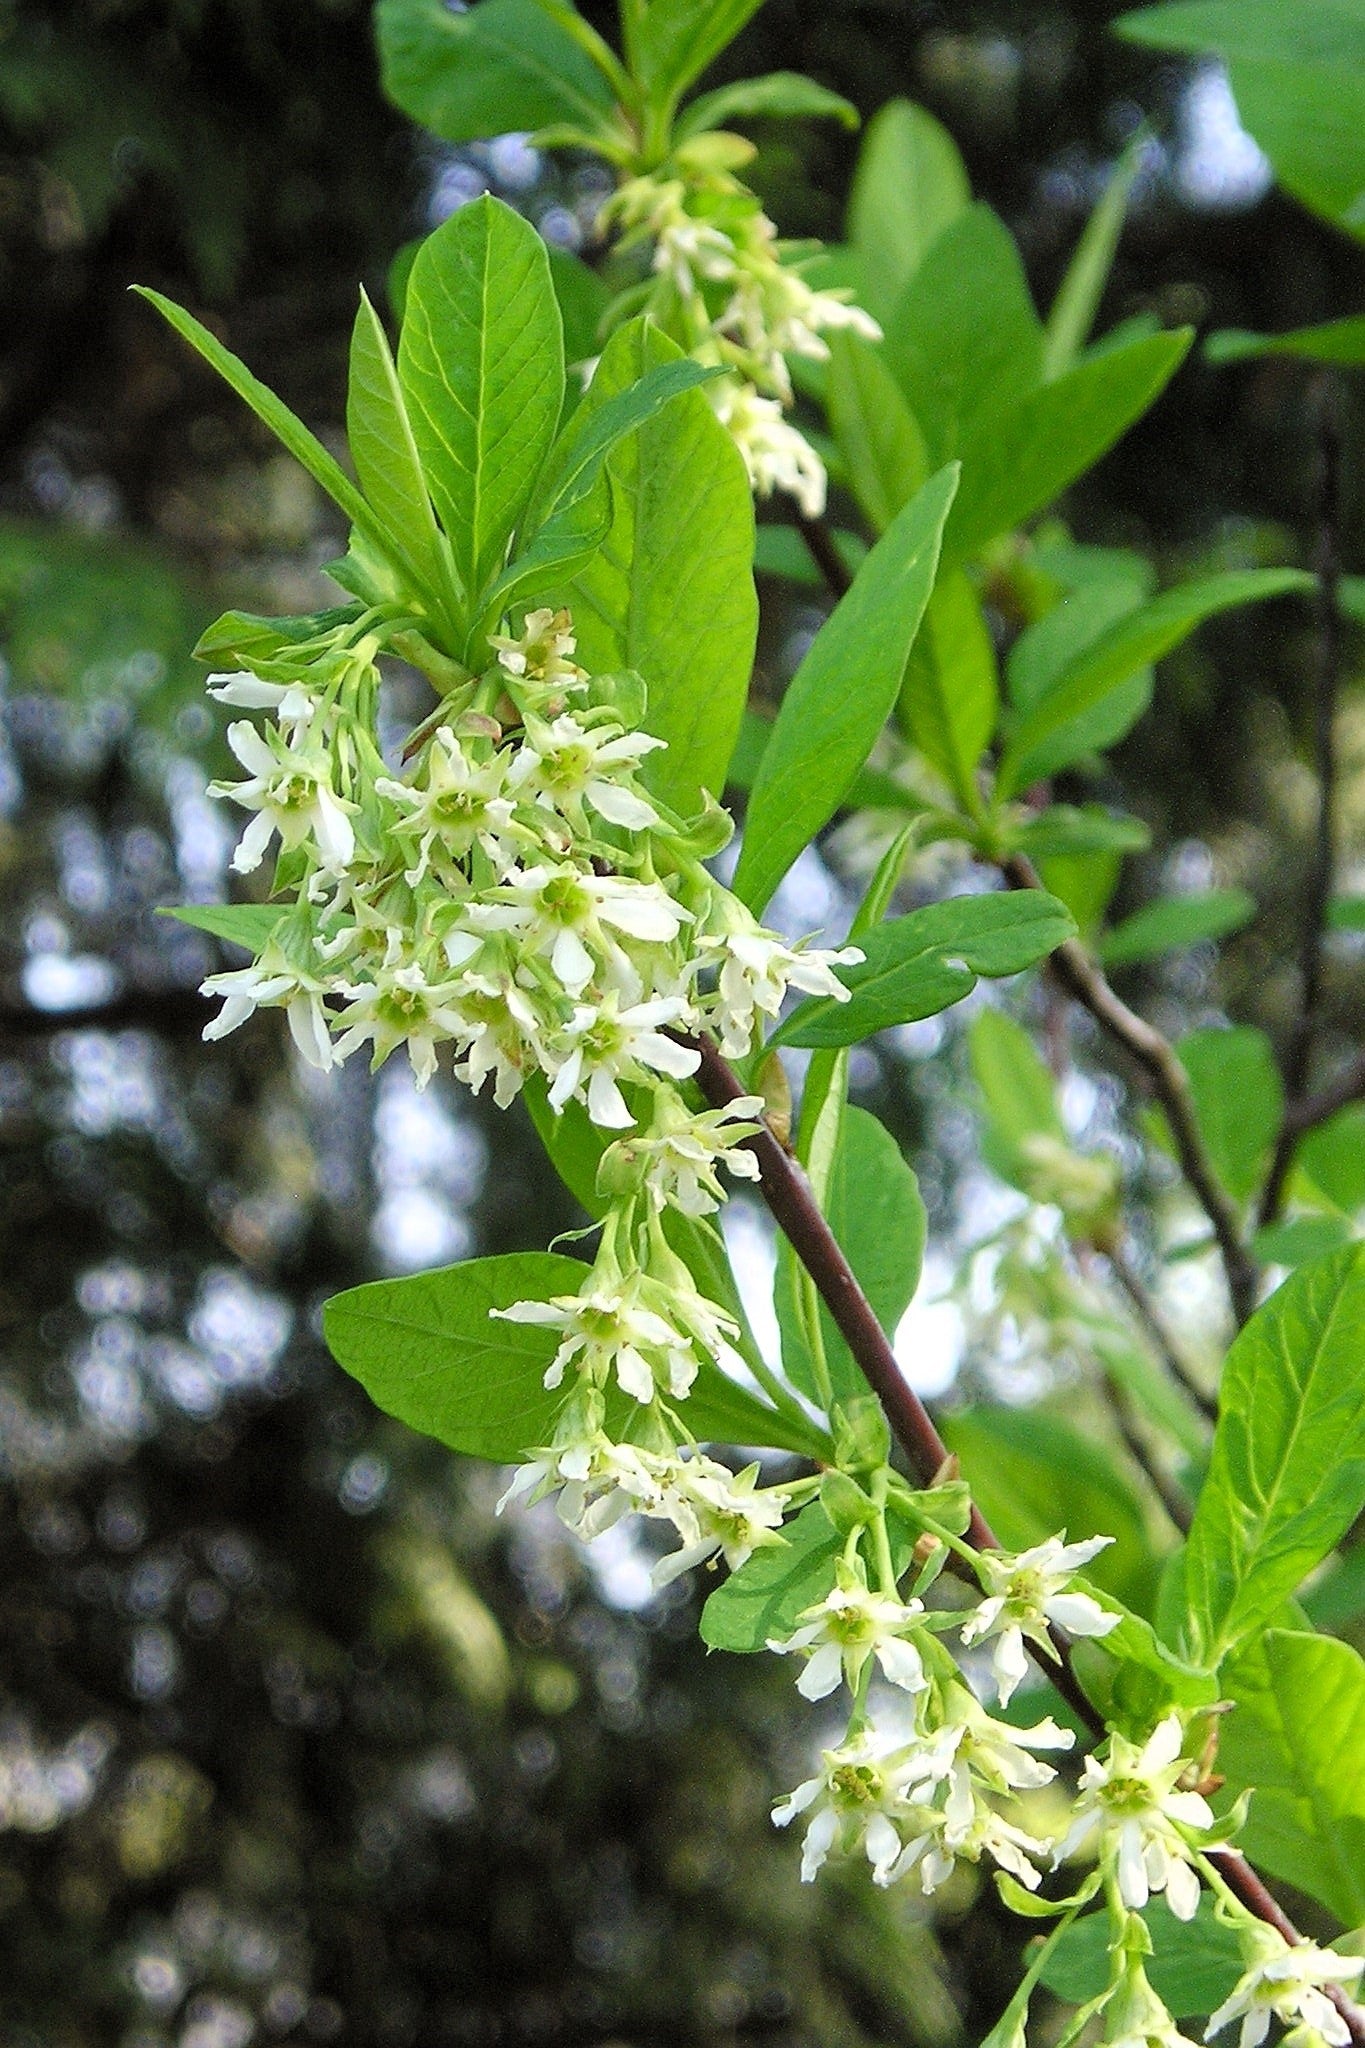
606 1103
819 1840
1009 1663
253 843
665 1057
1182 1891
901 1663
822 1674
1132 1869
250 749
571 961
1079 1614
619 807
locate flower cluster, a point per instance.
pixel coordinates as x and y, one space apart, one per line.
1289 1984
1150 1825
731 294
516 895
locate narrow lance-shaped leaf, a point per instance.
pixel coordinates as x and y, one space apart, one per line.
919 964
951 693
1238 1100
1176 921
1286 1476
777 94
840 697
385 455
910 184
481 364
248 925
677 39
1079 294
879 440
303 445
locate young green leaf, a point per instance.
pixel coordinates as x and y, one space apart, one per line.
1331 1160
881 445
1286 1476
583 299
386 459
1019 456
669 591
1298 1737
248 925
872 1204
481 364
427 1349
275 414
1238 1100
677 39
1333 341
1081 289
1018 1092
919 964
498 66
780 94
951 693
909 186
963 339
1176 921
1060 724
840 697
1075 829
244 640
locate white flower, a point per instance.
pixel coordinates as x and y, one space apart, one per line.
756 970
676 1163
597 1481
291 792
292 704
610 1327
1028 1591
273 981
401 1006
458 805
1286 1983
607 1044
717 1513
541 651
847 1627
966 1830
1144 1821
862 1795
776 455
564 765
560 910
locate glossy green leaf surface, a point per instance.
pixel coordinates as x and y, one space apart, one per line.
669 591
486 70
880 443
1238 1100
910 184
242 924
1176 921
1287 1473
918 964
842 694
385 455
951 694
481 364
777 95
1193 1967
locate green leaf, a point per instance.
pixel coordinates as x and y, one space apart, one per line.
677 39
1297 1736
583 299
1298 76
1333 341
1176 921
386 459
1060 724
1238 1100
1193 1966
909 186
274 413
427 1349
501 65
872 1204
1032 1474
1020 456
242 639
1073 829
778 95
881 445
248 925
840 697
1299 1239
1332 1159
1346 914
1286 1475
1081 289
481 363
669 591
951 693
761 1601
1018 1091
918 964
963 339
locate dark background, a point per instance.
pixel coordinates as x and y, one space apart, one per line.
297 1742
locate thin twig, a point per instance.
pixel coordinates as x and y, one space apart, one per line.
824 552
1124 1271
1080 976
1326 681
794 1208
1160 1481
1348 1087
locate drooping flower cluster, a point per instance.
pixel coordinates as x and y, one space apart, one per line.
1289 1984
733 295
516 894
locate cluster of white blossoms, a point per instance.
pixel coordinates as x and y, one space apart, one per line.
518 896
730 293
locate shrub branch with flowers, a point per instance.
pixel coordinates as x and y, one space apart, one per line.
528 889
